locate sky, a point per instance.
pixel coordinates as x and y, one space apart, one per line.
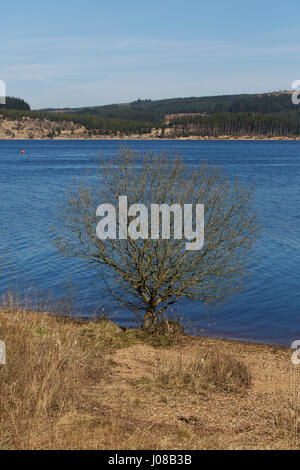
83 53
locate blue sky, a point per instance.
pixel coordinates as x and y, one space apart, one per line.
75 53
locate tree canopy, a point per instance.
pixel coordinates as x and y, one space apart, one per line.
148 275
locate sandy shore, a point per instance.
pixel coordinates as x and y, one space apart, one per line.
149 137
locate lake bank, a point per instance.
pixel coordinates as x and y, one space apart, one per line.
79 385
151 138
36 129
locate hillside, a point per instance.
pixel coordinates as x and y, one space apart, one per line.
16 124
256 116
42 128
155 111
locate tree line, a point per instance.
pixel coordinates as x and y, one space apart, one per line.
15 103
238 124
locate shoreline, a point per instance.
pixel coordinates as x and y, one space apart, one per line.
81 320
149 138
247 341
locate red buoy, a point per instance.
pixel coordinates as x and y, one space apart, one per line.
23 152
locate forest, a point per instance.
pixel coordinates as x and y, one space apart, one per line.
268 114
155 111
14 103
238 124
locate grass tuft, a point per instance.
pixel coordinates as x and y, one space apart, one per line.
215 371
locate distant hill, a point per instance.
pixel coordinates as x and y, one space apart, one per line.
155 111
267 115
15 103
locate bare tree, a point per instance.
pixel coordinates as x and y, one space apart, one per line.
150 275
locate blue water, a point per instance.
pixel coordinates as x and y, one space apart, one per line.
268 310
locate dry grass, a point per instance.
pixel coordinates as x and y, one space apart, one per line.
44 374
91 385
214 371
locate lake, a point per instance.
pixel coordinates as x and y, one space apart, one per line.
267 311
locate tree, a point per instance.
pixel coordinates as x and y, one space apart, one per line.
150 275
15 103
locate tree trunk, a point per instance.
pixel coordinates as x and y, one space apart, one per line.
148 319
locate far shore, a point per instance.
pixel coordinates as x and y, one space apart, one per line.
35 129
151 138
